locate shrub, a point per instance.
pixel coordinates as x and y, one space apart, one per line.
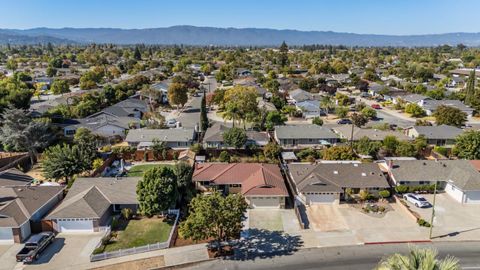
127 213
196 148
97 163
317 121
224 156
384 193
441 150
423 222
364 195
401 189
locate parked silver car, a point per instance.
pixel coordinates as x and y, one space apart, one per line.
417 200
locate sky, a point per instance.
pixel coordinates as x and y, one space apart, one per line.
395 17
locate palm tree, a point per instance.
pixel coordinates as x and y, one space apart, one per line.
418 258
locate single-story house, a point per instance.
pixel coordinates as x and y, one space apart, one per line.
213 137
175 138
130 107
327 182
262 185
301 136
442 135
430 106
103 124
14 178
411 98
310 108
459 178
345 132
90 203
22 209
162 87
299 95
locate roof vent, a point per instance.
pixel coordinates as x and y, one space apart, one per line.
364 174
335 172
355 164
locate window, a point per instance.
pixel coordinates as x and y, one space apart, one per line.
70 132
234 185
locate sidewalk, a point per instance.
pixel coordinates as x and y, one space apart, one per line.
158 258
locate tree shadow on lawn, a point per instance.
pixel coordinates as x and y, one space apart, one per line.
262 244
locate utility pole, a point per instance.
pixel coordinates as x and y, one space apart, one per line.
433 210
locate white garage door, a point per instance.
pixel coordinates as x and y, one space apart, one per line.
6 236
75 226
472 197
265 202
321 198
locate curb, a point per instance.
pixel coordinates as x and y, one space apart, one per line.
397 242
182 265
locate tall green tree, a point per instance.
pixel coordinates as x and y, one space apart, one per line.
235 137
446 115
470 93
203 113
60 87
157 191
136 54
283 57
468 145
214 216
64 161
358 120
177 94
418 259
19 132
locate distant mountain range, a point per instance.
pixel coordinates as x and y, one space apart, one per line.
192 35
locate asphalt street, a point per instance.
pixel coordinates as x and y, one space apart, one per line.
344 258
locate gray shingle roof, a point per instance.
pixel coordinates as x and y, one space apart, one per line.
91 197
18 204
14 177
304 132
165 135
443 132
461 172
300 95
373 134
333 177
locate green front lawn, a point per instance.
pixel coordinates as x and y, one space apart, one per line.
138 170
139 233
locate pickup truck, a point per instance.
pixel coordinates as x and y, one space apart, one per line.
34 246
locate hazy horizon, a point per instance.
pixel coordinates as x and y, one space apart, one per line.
406 17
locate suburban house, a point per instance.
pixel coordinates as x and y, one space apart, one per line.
162 87
299 95
430 106
262 185
90 203
175 138
345 132
22 209
310 108
130 107
302 136
213 137
459 178
14 178
411 98
103 124
327 182
442 135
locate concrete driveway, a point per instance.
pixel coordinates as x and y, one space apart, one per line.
333 223
68 251
453 220
272 220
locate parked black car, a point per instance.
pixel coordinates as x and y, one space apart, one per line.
34 247
344 122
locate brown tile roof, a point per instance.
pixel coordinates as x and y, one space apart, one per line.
257 179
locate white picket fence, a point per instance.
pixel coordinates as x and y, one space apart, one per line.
141 249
